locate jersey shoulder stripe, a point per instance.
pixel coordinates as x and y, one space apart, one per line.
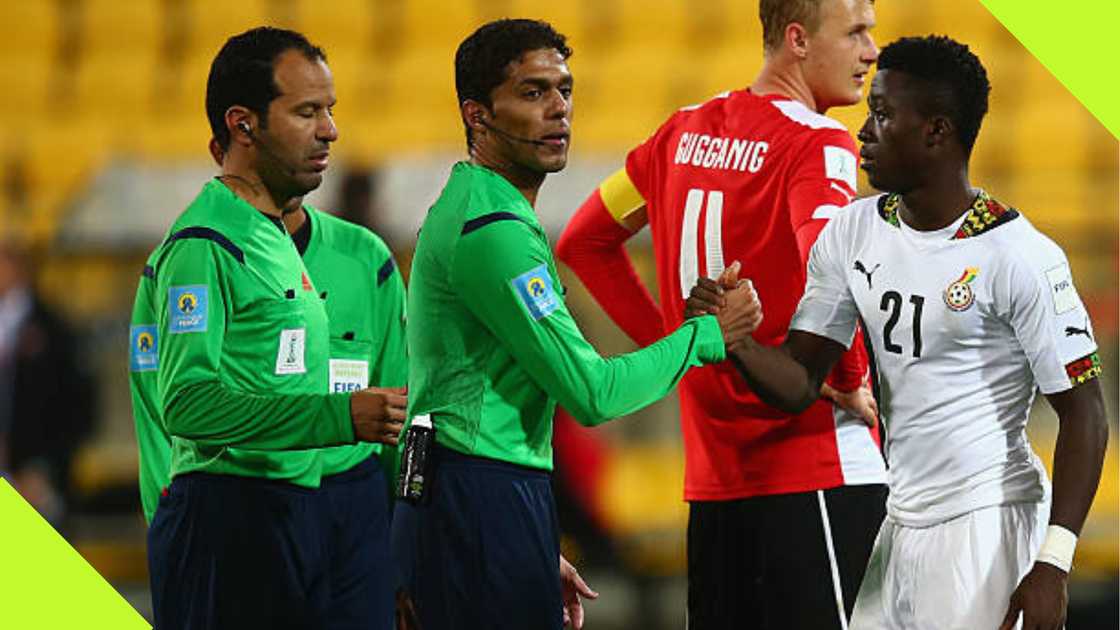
798 113
209 234
386 271
478 223
196 233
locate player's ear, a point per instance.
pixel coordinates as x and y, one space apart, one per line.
474 115
238 118
797 39
939 131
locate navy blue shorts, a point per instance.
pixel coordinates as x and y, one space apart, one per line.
235 552
232 553
357 530
482 550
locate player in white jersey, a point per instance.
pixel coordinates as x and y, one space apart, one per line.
969 309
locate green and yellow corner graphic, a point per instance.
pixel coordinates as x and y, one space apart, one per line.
45 584
1076 44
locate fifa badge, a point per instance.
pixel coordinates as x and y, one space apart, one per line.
959 295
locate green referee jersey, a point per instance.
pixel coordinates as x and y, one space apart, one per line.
492 347
230 348
363 292
364 299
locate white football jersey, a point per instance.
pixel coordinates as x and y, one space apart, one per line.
964 323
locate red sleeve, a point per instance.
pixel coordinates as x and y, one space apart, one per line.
592 246
823 182
639 163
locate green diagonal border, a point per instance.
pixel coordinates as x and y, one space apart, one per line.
45 584
1076 42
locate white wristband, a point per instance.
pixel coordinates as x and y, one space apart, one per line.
1058 547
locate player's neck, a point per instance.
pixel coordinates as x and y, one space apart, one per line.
784 79
937 205
247 184
294 216
526 181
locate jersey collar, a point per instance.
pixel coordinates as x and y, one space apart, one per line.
984 215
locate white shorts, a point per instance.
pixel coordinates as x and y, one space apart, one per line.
955 575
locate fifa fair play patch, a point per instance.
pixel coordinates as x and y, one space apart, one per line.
534 287
187 307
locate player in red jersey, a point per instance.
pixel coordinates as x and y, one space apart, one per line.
783 509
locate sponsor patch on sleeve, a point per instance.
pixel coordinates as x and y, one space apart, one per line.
534 287
143 348
1084 369
840 164
1061 288
187 308
289 356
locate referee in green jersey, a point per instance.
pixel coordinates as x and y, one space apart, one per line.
493 349
235 368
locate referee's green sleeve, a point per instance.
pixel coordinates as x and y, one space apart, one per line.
505 275
197 404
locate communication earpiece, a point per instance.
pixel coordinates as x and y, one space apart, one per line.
245 128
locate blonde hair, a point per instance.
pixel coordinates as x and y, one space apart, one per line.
776 15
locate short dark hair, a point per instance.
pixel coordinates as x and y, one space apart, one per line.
243 74
956 83
482 58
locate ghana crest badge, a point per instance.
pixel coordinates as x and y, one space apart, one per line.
959 296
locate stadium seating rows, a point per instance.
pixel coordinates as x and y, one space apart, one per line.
94 79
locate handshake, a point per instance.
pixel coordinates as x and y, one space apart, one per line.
734 302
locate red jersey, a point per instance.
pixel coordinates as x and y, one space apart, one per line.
754 179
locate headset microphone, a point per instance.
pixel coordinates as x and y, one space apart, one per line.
509 136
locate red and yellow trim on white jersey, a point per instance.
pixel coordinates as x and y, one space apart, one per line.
1084 369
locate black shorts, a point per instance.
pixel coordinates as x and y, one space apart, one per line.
482 550
765 563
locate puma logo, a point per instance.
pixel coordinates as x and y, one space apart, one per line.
1074 330
860 268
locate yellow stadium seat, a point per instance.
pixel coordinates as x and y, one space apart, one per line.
340 26
1067 204
32 26
116 88
28 82
59 156
438 25
135 26
184 137
215 21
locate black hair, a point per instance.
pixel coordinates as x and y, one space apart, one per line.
243 74
482 58
956 80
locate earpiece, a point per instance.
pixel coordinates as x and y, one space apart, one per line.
245 128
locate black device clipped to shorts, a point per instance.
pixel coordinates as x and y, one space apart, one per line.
414 478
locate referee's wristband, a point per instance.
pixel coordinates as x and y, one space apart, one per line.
1058 547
